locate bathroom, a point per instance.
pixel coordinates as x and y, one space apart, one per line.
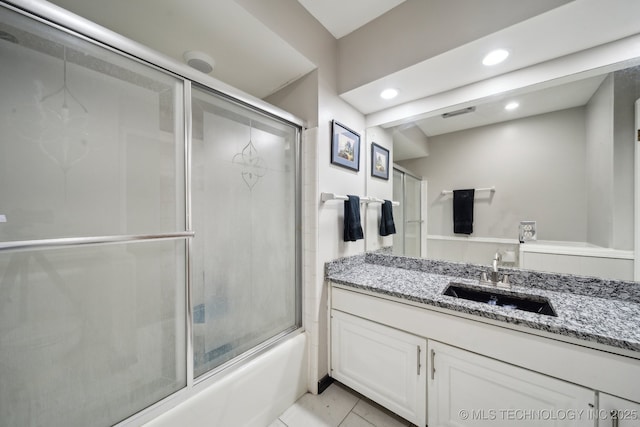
279 159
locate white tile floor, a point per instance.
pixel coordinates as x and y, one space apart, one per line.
337 406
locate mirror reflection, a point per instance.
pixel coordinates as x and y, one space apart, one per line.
560 159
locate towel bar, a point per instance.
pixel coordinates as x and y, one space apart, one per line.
376 200
325 197
492 189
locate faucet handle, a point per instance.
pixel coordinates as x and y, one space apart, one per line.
504 283
483 277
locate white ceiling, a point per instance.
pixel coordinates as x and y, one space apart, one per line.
531 102
248 55
342 17
573 27
252 57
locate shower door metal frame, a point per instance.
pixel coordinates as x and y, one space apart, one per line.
404 173
265 345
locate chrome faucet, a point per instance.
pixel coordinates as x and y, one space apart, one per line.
495 274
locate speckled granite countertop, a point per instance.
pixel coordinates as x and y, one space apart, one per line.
602 311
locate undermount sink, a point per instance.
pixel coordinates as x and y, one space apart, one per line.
531 303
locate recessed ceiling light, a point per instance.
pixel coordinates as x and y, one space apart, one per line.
389 93
199 60
495 57
511 106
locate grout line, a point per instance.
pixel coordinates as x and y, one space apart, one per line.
364 419
359 416
350 410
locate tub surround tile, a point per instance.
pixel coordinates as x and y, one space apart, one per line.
602 311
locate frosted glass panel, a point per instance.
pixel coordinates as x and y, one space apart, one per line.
91 142
398 212
89 336
244 217
413 222
408 190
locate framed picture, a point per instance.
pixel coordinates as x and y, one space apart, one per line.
345 147
379 161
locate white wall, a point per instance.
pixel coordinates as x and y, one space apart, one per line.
378 188
537 165
470 250
339 180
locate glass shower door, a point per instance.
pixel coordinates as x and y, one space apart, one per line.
92 230
398 212
245 278
413 216
408 238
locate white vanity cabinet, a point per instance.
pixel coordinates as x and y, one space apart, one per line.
616 412
467 389
492 370
385 364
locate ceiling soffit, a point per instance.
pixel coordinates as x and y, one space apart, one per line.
418 30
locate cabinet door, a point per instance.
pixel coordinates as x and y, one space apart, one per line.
382 363
466 389
617 412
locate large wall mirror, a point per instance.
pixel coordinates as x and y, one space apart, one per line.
558 155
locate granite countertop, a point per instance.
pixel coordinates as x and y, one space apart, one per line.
591 309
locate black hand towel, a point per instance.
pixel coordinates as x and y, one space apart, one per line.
352 226
387 226
463 211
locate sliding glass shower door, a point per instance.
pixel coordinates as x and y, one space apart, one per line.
245 252
109 166
408 190
92 230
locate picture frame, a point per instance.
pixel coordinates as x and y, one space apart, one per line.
379 161
345 146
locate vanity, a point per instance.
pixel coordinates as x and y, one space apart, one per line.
444 360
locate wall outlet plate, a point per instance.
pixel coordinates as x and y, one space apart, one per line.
528 231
